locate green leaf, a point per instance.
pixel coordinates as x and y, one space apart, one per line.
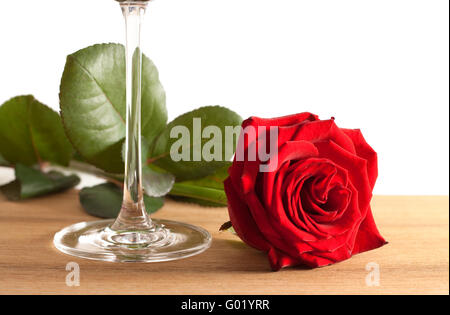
105 201
212 181
208 191
144 150
156 183
3 161
31 133
200 202
93 104
32 183
195 144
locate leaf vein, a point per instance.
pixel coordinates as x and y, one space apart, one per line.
98 84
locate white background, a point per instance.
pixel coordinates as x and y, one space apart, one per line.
381 65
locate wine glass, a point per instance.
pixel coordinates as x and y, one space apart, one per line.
133 236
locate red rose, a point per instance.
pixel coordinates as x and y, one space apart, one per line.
314 208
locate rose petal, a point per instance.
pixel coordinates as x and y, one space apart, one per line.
291 150
311 241
283 240
293 206
325 130
281 121
356 166
365 151
279 260
368 237
243 222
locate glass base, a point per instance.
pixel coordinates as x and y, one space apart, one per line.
168 240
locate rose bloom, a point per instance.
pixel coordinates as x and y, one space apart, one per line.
313 208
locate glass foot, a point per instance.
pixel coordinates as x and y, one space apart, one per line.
168 240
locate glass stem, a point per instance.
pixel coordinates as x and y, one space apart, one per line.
133 216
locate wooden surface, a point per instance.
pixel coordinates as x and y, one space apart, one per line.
415 262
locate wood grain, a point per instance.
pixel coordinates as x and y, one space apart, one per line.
416 261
